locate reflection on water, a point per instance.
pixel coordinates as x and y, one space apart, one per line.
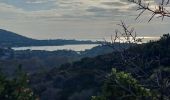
75 47
79 47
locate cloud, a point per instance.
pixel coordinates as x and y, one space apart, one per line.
55 10
67 8
38 1
69 17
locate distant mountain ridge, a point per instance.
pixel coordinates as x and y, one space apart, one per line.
11 39
11 36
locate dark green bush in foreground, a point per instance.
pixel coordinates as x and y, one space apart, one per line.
16 88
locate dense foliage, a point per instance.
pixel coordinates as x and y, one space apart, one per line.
16 88
122 86
150 69
148 78
82 79
39 60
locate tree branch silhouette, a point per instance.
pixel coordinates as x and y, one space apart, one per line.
160 9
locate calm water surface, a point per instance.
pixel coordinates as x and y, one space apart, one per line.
79 47
75 47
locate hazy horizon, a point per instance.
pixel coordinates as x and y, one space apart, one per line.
75 19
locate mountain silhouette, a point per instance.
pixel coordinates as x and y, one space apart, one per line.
11 39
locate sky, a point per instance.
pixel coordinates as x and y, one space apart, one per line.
76 19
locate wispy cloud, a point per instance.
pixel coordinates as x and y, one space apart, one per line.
66 8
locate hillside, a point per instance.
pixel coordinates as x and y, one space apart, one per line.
82 79
39 60
11 39
7 38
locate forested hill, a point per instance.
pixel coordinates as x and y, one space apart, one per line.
11 39
82 79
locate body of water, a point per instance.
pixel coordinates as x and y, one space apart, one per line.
77 47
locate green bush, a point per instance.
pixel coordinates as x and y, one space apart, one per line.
122 86
16 88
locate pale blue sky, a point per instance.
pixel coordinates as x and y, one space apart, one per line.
75 19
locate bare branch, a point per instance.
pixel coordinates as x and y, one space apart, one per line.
159 10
